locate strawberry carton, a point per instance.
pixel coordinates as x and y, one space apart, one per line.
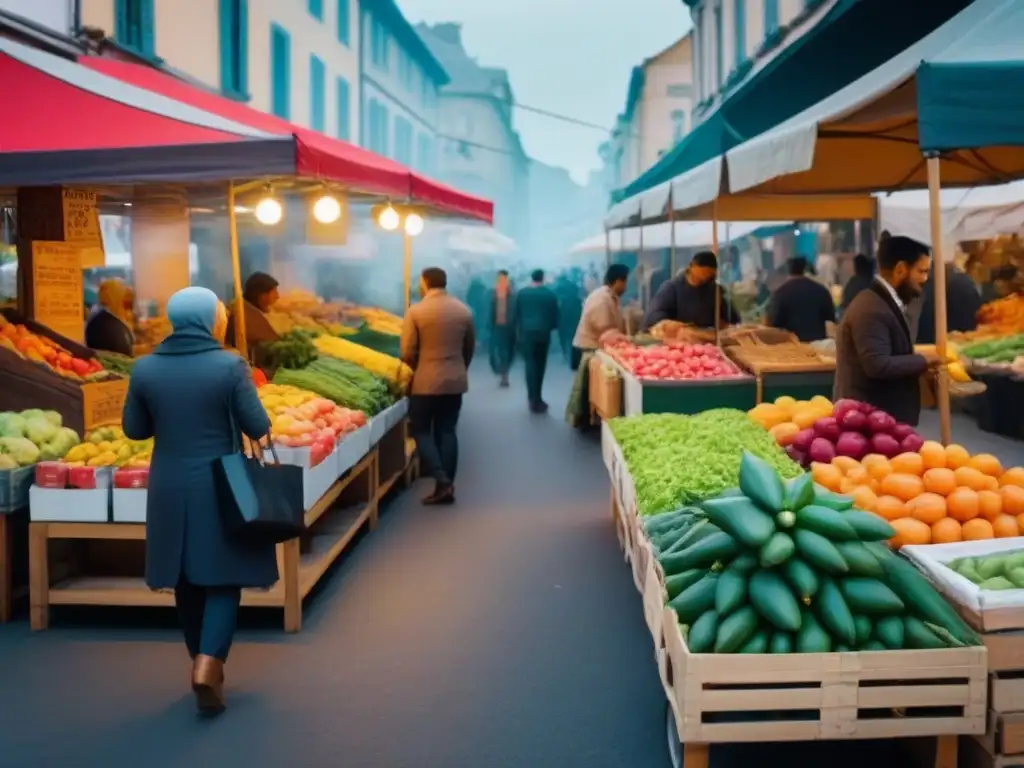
84 478
134 477
51 474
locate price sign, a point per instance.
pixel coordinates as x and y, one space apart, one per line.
57 300
103 402
82 225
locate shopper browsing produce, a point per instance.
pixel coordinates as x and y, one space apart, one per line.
875 358
690 297
192 397
109 327
259 297
802 305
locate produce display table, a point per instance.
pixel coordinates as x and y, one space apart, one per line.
800 385
333 522
731 698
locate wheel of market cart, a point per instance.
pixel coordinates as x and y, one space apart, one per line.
675 748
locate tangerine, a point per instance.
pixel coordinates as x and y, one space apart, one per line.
963 505
977 529
1013 499
969 477
910 531
933 454
1013 476
991 504
987 464
1005 527
908 463
928 508
890 508
956 456
946 531
903 486
939 480
827 476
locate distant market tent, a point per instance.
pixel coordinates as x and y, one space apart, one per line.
978 213
692 234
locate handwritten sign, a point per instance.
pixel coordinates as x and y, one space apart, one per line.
102 402
57 288
82 225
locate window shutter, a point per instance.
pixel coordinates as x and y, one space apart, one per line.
243 48
344 33
121 33
146 14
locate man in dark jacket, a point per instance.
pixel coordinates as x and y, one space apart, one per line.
801 305
875 358
690 297
962 304
536 317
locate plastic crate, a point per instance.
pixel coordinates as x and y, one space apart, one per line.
14 485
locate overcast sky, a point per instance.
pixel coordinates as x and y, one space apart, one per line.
572 57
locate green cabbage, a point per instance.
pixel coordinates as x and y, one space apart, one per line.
33 413
40 430
21 449
6 462
54 417
11 424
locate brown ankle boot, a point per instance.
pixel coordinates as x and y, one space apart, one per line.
208 684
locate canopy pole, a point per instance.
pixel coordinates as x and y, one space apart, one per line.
671 241
236 273
939 267
728 240
641 267
407 269
718 287
607 248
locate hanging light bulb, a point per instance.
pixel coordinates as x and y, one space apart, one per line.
327 210
413 224
389 219
269 211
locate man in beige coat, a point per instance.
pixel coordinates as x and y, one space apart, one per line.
438 340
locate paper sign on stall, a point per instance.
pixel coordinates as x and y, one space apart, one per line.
103 402
57 300
82 225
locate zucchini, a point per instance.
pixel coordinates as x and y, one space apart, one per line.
834 613
745 563
812 638
864 628
918 635
860 559
823 497
741 519
826 522
873 645
772 599
800 492
734 631
870 596
889 632
801 578
664 521
664 540
777 550
758 643
696 599
869 527
731 492
915 590
819 552
703 632
781 642
677 582
879 549
700 530
731 591
702 554
761 483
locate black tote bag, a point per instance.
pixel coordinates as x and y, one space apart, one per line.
261 501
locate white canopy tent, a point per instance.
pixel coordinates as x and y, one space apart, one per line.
980 213
688 234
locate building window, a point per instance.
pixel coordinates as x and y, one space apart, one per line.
403 141
317 95
771 16
428 92
316 9
344 23
739 12
678 125
719 46
344 95
407 70
280 72
698 53
425 153
378 44
134 26
234 48
378 118
679 91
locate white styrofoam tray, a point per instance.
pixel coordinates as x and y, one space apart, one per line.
69 505
930 558
129 505
352 449
378 428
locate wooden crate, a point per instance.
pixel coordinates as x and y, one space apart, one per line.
641 549
604 392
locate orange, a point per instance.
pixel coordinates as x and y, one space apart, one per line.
784 433
846 486
910 531
956 456
859 475
1013 499
826 475
978 529
908 463
804 419
1005 527
903 486
928 508
987 464
890 508
939 480
1013 476
864 498
933 454
991 504
877 465
963 505
1020 522
846 464
991 483
946 531
969 477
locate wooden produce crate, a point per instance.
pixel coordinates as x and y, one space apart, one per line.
605 392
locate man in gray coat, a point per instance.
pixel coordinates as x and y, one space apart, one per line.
437 342
875 358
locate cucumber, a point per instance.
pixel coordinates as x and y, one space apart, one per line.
761 484
741 519
915 590
812 638
745 563
777 550
968 572
735 630
834 614
731 591
696 599
841 648
870 596
873 645
818 551
864 628
801 578
1017 577
996 584
703 632
700 530
918 635
826 522
800 492
823 497
989 567
860 559
664 521
662 541
731 492
889 632
772 599
677 582
1013 561
869 527
701 554
757 644
879 549
781 642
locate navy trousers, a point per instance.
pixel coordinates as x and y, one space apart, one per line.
208 616
535 356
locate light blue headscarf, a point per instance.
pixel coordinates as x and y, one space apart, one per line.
193 309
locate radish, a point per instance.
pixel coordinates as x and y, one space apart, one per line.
822 451
852 421
827 428
802 441
844 406
887 445
912 443
852 444
880 422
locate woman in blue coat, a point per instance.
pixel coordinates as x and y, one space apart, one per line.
194 397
